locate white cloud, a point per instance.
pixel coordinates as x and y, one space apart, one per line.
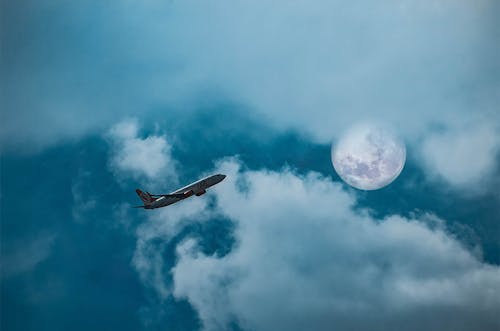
140 158
153 236
305 260
464 156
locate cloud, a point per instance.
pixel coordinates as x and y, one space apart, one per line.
24 255
316 67
81 203
319 67
140 158
305 259
464 156
154 235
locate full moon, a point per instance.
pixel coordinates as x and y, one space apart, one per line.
368 157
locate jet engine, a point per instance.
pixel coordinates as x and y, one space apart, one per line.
200 192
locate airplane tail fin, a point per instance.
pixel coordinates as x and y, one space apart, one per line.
145 197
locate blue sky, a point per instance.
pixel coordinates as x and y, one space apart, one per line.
99 98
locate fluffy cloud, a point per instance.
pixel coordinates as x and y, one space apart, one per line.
463 156
155 234
140 158
306 260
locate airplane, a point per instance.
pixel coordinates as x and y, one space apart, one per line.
153 201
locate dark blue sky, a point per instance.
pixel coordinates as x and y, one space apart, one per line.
101 98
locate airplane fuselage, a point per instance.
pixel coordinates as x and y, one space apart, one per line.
197 188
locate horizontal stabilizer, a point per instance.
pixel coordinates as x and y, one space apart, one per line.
145 197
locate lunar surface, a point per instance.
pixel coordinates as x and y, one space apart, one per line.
369 157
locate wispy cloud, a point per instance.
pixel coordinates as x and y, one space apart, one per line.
315 66
81 203
24 255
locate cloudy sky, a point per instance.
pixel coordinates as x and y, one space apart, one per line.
101 97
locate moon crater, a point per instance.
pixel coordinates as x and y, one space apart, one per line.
368 157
